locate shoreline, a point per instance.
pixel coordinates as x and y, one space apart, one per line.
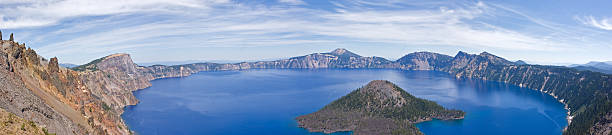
569 117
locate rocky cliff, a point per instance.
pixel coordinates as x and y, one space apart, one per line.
378 108
65 101
585 93
29 91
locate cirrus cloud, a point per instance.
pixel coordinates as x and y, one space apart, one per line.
20 14
292 2
205 26
604 23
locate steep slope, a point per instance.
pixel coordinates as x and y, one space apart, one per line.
11 124
116 76
379 107
27 95
67 101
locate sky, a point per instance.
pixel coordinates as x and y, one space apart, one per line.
556 32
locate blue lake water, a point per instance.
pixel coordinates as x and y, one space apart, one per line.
267 101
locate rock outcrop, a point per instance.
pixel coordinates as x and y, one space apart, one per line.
53 66
65 101
25 94
379 108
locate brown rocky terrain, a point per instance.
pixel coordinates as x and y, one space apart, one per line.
10 124
62 100
23 92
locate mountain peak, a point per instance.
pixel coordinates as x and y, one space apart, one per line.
343 52
117 55
485 54
383 90
461 53
494 59
118 62
520 62
339 51
379 86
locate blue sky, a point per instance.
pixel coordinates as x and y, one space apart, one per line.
78 31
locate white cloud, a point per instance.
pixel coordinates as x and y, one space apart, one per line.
190 25
604 23
20 14
292 2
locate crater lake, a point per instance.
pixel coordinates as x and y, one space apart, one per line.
267 101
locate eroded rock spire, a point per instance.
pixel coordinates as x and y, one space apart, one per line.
11 37
53 66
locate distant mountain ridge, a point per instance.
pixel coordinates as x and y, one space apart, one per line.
604 67
605 64
68 65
